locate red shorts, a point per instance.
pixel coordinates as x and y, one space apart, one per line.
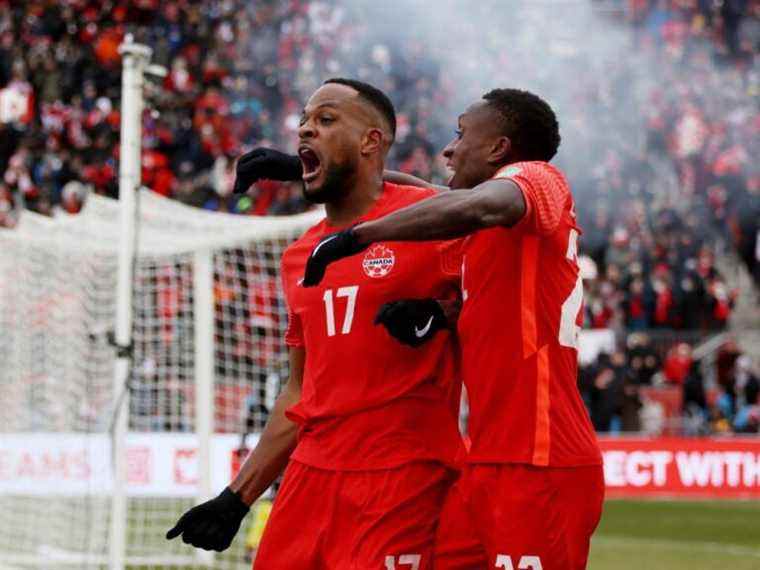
457 544
355 520
520 516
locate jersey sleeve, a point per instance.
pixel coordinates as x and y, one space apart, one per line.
294 332
451 257
545 192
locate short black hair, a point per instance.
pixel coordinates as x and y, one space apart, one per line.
530 123
372 95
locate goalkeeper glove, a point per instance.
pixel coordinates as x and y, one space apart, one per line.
329 249
265 163
212 525
412 321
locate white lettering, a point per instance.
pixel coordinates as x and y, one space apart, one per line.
716 470
751 470
614 463
634 473
694 468
572 246
661 460
568 327
733 461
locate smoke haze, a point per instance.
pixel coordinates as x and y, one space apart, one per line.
560 50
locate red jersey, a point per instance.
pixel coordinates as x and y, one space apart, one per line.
519 328
368 401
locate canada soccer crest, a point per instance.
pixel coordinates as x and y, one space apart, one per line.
379 261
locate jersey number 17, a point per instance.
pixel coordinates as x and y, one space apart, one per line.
348 292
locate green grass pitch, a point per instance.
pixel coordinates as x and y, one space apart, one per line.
677 535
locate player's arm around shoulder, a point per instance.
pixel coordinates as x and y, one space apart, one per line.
213 525
498 202
449 215
404 179
545 192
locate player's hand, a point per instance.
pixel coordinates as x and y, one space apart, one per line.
212 525
329 249
265 163
412 321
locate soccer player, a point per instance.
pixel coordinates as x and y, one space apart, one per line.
371 423
534 486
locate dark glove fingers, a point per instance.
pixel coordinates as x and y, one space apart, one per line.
207 541
249 169
329 250
314 273
188 536
243 183
222 539
244 180
240 187
197 533
387 312
178 528
252 155
255 164
290 168
414 316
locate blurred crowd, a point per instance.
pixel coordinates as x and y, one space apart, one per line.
656 386
660 128
666 208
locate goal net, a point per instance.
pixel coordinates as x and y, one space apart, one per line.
207 308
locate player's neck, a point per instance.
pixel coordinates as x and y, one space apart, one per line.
359 200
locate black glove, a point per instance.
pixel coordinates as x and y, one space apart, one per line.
412 321
212 525
265 163
331 248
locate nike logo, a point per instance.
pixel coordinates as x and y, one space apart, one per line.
299 282
420 332
320 244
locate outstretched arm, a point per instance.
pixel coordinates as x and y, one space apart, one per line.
271 454
395 177
449 215
444 216
213 525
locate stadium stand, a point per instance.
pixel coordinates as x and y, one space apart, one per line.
659 213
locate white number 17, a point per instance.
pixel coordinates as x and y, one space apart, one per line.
348 320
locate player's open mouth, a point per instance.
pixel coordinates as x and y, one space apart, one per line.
312 166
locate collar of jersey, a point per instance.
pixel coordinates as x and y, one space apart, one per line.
379 203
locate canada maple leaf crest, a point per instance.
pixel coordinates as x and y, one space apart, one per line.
378 261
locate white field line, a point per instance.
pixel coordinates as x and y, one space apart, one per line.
679 545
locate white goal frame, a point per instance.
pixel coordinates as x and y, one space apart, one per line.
143 224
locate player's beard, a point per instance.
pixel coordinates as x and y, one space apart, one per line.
337 178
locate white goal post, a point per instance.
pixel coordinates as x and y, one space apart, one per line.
198 341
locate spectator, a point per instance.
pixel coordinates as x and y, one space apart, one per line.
678 363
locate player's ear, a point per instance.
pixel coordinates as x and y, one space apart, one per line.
500 150
373 141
